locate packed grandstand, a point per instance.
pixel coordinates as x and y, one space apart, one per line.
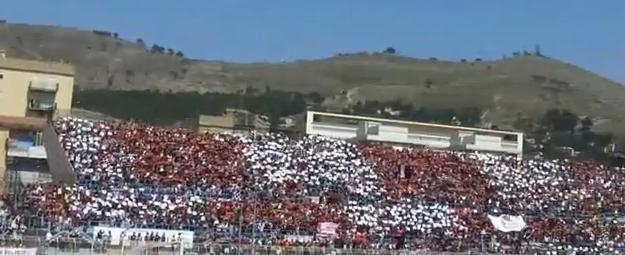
264 188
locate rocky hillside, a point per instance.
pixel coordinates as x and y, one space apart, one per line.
505 89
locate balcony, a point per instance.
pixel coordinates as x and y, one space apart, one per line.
35 105
28 171
29 177
503 147
25 148
342 131
44 86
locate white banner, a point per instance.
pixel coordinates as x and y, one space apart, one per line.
298 238
171 236
18 251
327 228
507 223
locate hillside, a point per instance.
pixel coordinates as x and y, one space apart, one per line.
506 89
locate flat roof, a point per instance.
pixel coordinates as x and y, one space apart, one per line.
25 65
29 123
217 121
415 123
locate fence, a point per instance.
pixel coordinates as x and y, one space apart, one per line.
14 245
237 250
237 240
32 245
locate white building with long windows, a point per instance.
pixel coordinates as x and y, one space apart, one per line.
411 133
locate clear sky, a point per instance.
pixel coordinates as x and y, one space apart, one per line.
587 33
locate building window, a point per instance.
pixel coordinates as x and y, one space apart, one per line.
510 138
316 118
373 128
1 76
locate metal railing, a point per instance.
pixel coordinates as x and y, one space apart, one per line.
41 106
17 244
69 245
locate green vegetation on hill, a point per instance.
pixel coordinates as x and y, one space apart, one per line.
168 107
468 116
559 129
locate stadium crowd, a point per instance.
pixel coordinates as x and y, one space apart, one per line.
381 197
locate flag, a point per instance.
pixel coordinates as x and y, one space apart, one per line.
507 223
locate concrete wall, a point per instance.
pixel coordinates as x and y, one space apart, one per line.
36 66
213 130
4 136
14 86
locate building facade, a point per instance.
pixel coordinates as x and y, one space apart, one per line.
233 121
35 89
410 133
30 92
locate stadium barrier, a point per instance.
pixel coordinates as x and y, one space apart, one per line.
32 245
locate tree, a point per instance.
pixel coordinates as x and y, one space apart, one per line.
603 140
586 125
157 49
179 54
102 33
315 97
170 51
358 107
140 42
389 50
470 116
115 35
560 120
428 83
